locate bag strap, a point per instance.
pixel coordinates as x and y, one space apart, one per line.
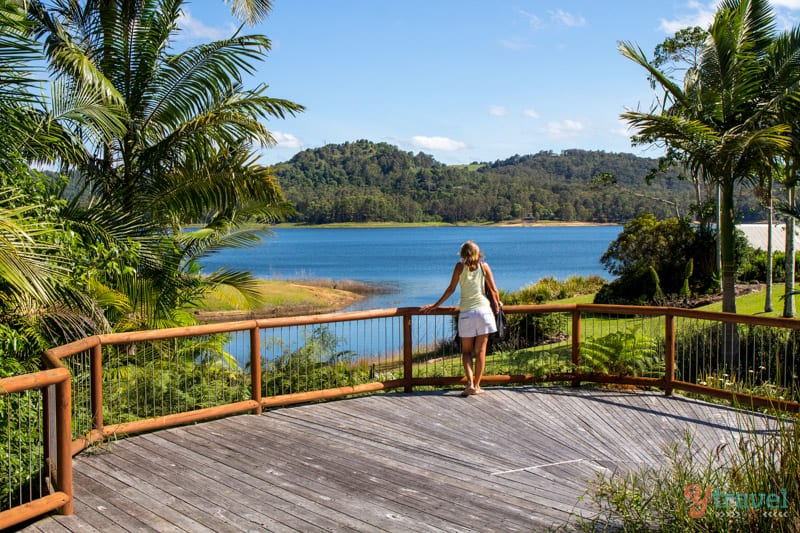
494 300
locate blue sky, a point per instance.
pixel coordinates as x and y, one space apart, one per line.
461 80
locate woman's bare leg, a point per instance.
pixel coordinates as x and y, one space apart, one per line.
467 344
480 360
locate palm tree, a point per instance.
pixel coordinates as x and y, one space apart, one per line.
39 304
680 54
186 153
723 120
184 112
783 64
789 250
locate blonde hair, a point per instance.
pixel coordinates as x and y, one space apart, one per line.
470 254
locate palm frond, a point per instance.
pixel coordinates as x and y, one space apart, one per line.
28 267
87 110
18 52
242 283
188 83
222 186
250 11
206 241
66 57
637 55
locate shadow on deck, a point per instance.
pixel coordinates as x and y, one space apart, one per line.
513 459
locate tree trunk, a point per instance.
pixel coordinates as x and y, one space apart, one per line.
727 234
788 301
768 274
727 237
719 217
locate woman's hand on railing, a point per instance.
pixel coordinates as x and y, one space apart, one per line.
427 308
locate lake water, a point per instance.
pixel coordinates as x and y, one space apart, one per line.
417 262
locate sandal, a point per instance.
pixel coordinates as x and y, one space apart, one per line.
468 391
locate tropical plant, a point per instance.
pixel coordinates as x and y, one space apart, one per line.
723 120
744 486
622 353
185 152
665 246
316 364
159 378
783 66
679 58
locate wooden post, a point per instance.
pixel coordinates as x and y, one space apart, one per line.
576 344
96 372
64 441
255 368
408 356
669 353
48 425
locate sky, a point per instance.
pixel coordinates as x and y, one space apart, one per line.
461 80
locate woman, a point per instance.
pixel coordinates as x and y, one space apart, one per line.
475 318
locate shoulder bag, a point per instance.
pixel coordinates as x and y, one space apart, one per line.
497 307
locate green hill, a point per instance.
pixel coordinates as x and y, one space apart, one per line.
364 181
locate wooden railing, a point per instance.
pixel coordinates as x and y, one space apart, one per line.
116 384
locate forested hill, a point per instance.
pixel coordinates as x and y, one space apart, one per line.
364 181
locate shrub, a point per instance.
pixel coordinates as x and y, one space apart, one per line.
752 486
549 289
670 248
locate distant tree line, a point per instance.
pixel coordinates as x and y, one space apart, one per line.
363 181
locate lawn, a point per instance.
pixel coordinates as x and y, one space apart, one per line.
753 304
748 304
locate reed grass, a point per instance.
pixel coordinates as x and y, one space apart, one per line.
751 484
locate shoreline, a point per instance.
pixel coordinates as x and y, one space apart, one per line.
506 224
543 224
309 297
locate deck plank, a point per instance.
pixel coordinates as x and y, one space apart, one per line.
513 459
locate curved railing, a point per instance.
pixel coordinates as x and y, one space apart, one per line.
110 385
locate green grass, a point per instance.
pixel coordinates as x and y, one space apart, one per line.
287 295
582 299
753 304
748 304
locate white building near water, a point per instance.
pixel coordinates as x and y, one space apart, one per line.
757 236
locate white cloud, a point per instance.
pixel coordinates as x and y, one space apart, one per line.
530 113
700 15
564 129
286 140
513 44
497 111
791 4
567 19
534 22
437 143
193 29
623 129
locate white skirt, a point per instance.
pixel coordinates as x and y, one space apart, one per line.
476 322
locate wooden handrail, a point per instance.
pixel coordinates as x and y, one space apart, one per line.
36 380
31 510
59 376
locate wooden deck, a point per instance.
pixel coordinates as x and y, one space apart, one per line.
513 459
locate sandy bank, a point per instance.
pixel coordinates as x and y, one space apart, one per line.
291 298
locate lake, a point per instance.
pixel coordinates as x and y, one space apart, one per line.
417 262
